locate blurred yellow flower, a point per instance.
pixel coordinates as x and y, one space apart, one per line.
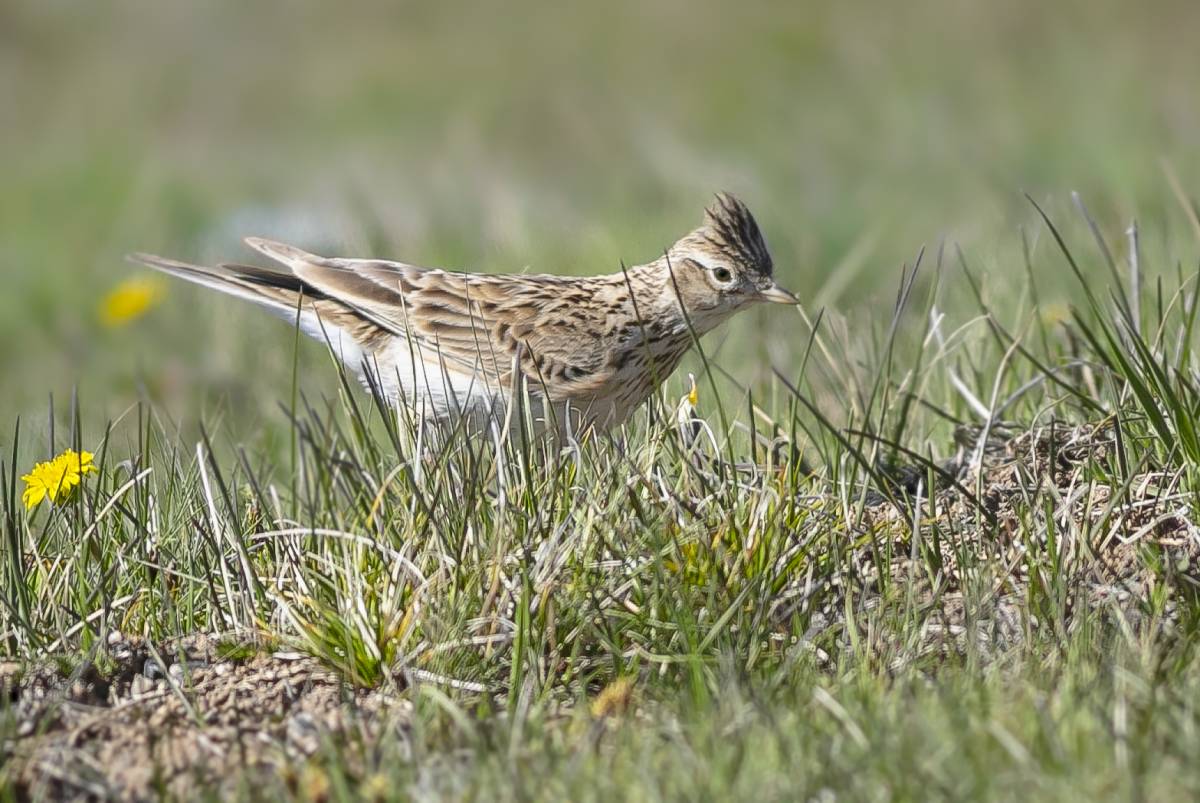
130 300
614 698
56 478
1055 314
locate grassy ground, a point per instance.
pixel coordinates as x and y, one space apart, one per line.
979 581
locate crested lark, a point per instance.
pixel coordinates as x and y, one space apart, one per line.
589 350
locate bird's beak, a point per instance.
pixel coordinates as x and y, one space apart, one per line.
776 294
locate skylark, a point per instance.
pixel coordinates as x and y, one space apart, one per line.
587 351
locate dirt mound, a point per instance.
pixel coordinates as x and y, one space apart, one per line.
988 566
169 719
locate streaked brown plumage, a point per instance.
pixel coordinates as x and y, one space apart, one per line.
447 343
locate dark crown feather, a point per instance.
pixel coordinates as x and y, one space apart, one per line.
733 231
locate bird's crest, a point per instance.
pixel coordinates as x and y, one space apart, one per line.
732 230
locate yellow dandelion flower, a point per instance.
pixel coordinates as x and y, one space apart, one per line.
57 478
130 300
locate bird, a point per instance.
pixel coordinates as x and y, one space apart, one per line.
584 351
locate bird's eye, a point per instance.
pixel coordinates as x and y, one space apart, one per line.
722 275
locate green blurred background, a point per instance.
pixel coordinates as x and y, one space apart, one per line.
560 138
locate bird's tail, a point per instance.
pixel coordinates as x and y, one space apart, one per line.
286 295
283 293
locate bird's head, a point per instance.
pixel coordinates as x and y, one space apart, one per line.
723 266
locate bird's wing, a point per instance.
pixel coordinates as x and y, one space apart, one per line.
549 326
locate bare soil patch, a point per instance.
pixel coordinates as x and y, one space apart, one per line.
171 719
